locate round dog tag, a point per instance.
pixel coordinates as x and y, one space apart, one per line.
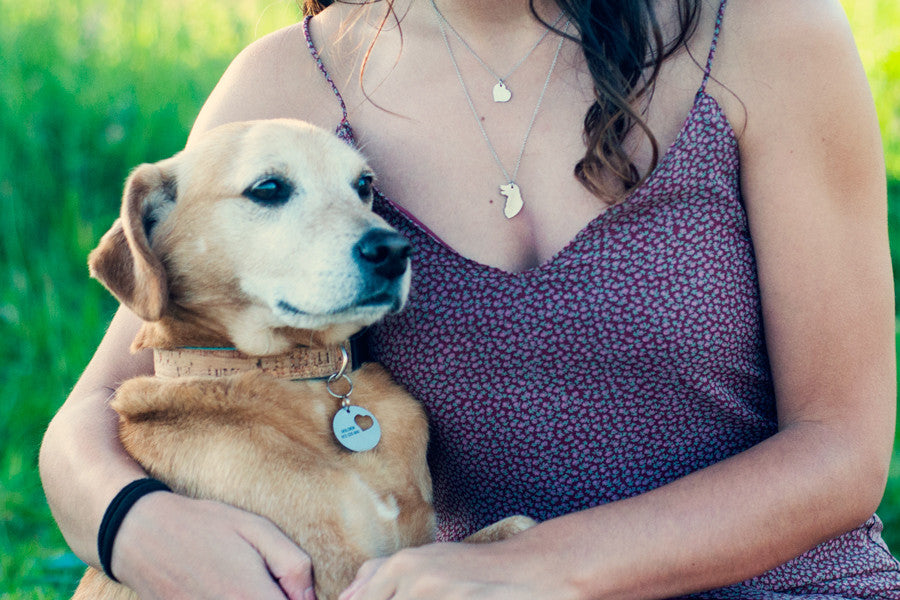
349 432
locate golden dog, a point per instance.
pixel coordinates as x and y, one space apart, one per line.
261 236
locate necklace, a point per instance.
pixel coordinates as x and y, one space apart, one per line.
510 189
500 92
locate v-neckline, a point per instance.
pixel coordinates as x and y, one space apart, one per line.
604 216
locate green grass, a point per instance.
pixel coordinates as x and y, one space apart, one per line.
90 88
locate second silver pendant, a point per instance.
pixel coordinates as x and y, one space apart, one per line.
510 190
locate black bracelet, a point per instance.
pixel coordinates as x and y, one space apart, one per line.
115 514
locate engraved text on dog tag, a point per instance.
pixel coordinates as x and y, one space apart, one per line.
350 434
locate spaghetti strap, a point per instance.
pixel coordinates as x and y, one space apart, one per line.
712 47
343 129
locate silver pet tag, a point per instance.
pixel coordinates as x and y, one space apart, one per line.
350 434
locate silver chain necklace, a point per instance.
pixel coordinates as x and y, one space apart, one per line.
510 190
500 91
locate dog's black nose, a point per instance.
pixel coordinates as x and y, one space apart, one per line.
385 252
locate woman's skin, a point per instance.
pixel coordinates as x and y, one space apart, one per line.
789 80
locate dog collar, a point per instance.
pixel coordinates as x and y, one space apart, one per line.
298 363
329 363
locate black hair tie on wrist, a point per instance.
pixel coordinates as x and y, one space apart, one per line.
115 514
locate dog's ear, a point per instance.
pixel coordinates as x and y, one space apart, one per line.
124 261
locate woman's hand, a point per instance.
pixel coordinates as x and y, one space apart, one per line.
171 546
497 571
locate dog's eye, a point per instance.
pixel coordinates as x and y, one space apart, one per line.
270 191
364 186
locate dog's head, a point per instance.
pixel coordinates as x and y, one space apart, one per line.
259 233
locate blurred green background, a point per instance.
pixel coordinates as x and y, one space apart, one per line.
90 88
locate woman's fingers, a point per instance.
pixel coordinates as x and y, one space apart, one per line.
170 546
290 566
445 571
363 577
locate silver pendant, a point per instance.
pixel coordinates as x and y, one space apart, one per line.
514 201
349 433
501 92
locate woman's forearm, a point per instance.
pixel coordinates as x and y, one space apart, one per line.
83 466
718 526
82 463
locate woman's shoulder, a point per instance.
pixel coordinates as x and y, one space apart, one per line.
787 63
787 34
794 71
778 50
276 76
792 18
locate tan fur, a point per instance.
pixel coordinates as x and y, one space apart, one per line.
250 440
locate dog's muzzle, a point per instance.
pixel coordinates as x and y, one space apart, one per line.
383 254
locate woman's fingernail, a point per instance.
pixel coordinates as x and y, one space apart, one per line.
309 594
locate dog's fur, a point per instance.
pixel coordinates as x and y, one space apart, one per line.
205 260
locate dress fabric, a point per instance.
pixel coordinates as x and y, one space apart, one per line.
631 358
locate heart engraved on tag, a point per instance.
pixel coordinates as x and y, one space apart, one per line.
356 428
363 421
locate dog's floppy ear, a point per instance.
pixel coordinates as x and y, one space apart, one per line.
124 261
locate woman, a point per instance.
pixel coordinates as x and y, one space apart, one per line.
590 347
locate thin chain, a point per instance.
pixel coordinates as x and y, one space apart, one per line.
475 111
501 79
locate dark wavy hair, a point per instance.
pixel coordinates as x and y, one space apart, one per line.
625 47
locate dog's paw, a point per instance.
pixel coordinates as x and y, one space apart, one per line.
501 530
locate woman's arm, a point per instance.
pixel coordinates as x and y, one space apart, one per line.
82 462
171 546
813 183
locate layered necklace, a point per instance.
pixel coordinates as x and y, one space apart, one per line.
510 189
500 92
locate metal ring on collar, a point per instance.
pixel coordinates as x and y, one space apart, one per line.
345 362
345 397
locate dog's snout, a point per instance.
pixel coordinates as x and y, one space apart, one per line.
385 252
